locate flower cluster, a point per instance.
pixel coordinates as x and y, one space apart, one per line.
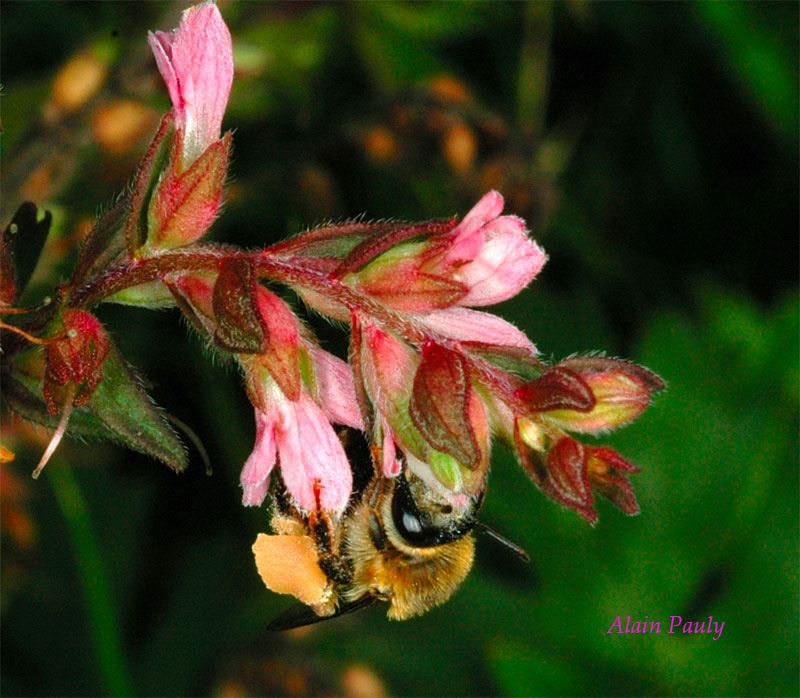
429 379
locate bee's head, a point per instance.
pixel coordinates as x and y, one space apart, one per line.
419 517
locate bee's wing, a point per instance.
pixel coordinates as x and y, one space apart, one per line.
298 615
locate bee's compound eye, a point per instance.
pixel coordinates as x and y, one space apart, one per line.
412 525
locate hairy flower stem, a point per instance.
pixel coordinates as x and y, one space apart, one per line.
142 271
289 270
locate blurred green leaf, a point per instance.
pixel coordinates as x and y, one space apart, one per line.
718 455
757 58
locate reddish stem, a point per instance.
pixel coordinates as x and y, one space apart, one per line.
289 270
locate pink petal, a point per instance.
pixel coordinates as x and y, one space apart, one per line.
506 264
197 65
313 463
467 325
336 391
469 237
257 468
488 208
161 46
391 464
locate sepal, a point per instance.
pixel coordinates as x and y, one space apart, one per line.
154 162
557 388
441 403
240 326
185 203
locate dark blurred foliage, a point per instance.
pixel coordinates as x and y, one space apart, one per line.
653 149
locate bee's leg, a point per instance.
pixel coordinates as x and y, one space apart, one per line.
331 563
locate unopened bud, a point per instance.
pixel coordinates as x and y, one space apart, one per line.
620 394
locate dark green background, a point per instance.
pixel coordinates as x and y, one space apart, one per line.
653 149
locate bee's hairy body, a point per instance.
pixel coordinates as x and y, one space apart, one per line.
412 579
397 542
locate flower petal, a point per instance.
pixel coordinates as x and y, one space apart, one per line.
336 391
468 325
258 466
507 263
196 62
469 237
314 466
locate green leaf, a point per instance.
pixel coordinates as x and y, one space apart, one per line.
128 412
766 69
119 410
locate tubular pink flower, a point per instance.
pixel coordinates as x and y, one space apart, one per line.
313 463
196 62
314 466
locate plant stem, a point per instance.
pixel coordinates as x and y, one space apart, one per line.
286 269
100 607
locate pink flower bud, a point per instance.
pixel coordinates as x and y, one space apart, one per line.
557 464
75 358
568 471
196 62
491 254
607 472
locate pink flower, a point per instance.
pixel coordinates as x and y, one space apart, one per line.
485 259
313 463
491 254
196 62
298 435
426 406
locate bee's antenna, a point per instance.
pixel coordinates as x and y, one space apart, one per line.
513 547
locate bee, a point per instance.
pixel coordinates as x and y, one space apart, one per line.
400 541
